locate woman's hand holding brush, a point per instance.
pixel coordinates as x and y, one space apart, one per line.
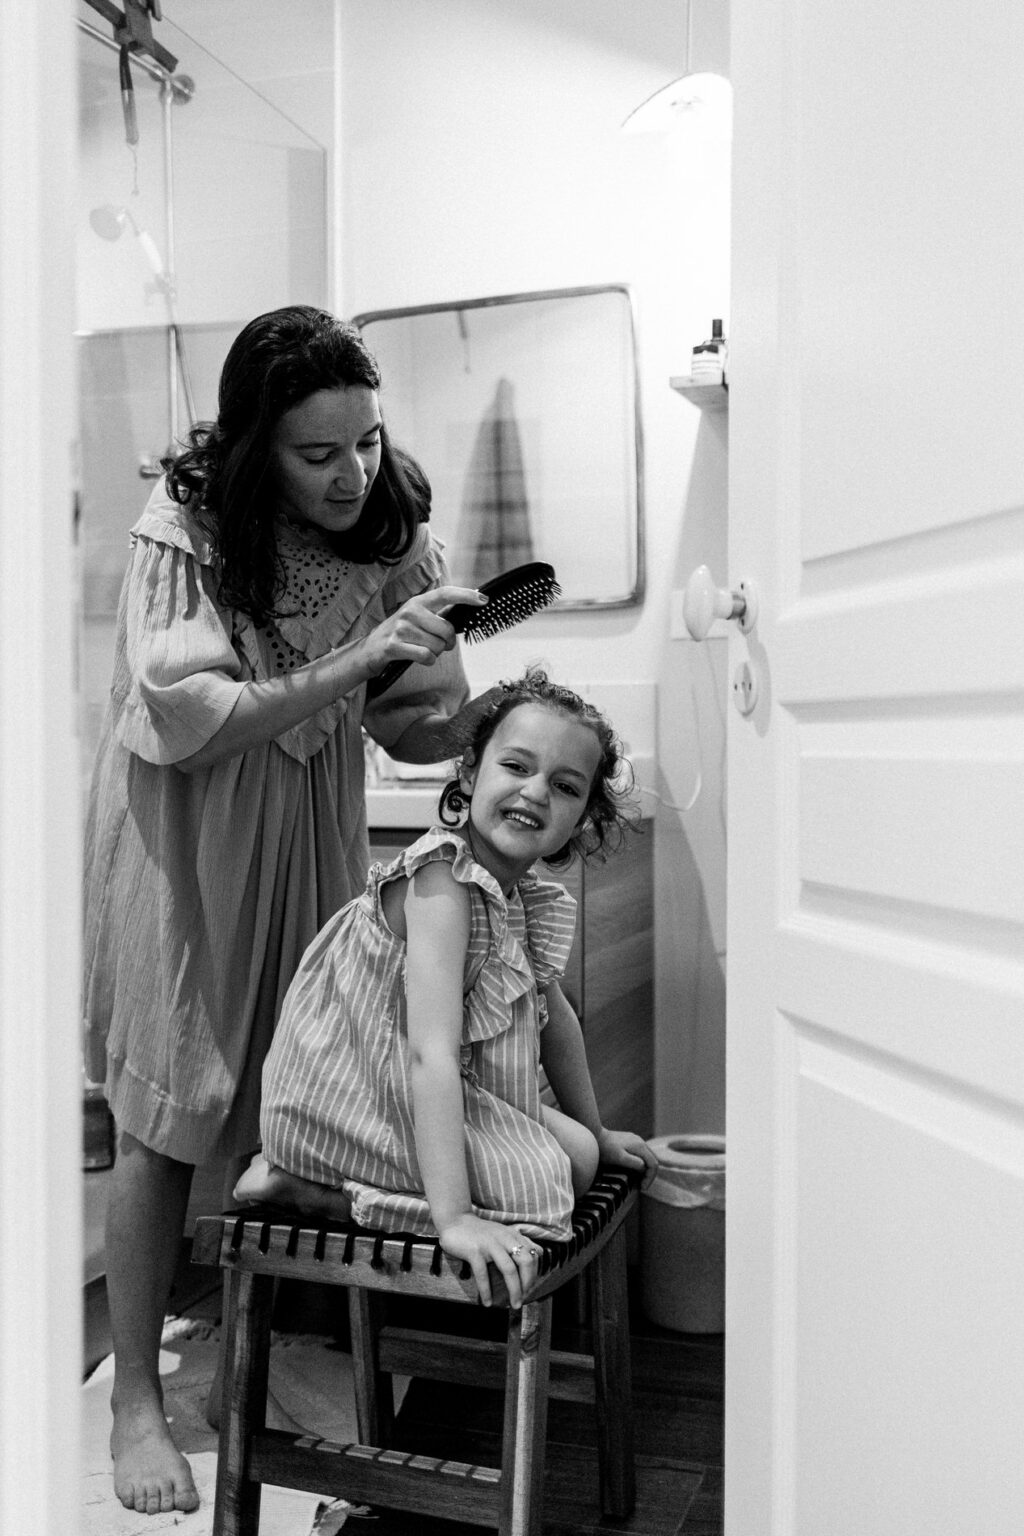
416 632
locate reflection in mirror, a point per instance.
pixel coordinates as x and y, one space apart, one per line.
524 412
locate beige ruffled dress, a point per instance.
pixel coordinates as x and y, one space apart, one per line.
202 890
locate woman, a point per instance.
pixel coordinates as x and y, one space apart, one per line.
287 562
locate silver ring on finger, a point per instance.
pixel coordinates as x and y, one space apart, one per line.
516 1250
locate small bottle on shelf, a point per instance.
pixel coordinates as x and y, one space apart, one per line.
708 363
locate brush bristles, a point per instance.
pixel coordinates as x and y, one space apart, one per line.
510 608
511 597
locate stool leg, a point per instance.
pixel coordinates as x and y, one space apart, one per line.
526 1415
612 1377
375 1400
246 1323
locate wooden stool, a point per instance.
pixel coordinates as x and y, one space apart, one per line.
255 1246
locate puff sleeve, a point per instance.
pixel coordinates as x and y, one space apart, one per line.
176 673
508 971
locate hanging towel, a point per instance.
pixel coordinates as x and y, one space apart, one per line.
494 523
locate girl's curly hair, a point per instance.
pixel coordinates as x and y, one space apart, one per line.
224 473
611 809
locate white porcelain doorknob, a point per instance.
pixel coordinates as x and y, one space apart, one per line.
703 603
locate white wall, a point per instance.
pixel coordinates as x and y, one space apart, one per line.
481 153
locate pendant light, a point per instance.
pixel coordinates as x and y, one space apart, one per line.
695 98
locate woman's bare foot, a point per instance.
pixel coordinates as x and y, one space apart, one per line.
151 1475
264 1184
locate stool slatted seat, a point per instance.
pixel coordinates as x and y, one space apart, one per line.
256 1246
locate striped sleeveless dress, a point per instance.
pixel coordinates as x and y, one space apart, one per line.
337 1094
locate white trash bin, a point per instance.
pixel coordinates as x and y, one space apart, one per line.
682 1235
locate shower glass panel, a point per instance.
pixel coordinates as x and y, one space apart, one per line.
217 214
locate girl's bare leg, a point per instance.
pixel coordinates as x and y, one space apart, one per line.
264 1184
579 1145
145 1220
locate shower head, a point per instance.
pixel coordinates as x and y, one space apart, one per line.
110 223
182 88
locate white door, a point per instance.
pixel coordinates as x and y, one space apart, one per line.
875 1221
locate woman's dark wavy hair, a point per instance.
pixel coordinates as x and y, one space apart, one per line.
611 810
225 475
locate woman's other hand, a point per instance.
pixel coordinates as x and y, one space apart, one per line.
481 1242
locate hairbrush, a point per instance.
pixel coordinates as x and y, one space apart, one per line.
511 597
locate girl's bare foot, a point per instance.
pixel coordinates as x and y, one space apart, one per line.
151 1475
264 1184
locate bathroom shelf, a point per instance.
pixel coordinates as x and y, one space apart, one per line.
709 397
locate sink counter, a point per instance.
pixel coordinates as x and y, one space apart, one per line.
410 804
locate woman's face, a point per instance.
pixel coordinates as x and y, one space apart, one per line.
326 452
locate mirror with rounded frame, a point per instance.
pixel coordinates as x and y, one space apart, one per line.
523 411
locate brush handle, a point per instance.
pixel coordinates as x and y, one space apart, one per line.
379 684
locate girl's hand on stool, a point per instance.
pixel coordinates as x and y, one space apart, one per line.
482 1242
624 1149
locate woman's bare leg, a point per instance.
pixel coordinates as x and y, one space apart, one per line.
145 1220
578 1144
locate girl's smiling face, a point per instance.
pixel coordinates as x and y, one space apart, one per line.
530 789
326 454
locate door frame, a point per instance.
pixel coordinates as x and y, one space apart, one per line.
40 833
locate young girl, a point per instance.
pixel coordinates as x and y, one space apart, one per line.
403 1084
